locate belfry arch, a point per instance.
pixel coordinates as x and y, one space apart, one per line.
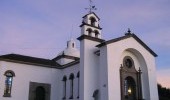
134 65
92 21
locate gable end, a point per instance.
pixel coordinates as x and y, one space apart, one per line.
125 37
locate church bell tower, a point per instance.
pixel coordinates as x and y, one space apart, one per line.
89 63
90 25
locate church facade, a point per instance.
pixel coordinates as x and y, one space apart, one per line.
119 69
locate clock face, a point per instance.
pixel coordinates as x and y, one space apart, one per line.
128 62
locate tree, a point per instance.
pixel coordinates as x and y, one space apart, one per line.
164 93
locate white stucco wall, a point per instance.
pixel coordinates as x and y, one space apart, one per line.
26 74
103 75
89 69
31 73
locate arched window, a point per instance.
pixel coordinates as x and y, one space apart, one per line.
96 33
89 31
92 21
78 77
8 83
40 93
64 87
71 85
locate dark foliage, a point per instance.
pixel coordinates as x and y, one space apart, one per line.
164 93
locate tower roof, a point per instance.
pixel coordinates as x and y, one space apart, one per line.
90 14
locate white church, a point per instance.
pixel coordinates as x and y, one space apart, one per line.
119 69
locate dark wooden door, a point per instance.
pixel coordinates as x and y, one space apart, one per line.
40 93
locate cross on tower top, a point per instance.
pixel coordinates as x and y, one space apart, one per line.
91 7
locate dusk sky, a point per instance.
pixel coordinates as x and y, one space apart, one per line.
41 28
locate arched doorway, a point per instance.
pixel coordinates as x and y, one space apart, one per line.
40 93
130 88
